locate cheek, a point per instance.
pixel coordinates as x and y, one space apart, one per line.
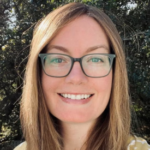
103 90
49 86
103 85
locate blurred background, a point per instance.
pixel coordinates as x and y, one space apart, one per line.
17 20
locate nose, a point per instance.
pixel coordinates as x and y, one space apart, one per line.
76 76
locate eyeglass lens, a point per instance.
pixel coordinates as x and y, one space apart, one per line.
57 65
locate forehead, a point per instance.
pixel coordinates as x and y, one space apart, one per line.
81 34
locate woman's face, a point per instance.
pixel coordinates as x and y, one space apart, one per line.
77 37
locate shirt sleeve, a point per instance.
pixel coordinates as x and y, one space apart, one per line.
21 146
137 143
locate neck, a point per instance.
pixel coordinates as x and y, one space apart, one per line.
75 135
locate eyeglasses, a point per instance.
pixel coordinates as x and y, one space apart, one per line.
93 65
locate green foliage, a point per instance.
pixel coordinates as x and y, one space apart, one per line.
133 26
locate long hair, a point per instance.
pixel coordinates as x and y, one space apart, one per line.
40 128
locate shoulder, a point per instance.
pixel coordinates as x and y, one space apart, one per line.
137 143
21 146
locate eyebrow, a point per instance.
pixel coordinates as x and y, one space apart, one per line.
87 51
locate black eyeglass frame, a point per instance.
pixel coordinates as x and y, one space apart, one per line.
73 60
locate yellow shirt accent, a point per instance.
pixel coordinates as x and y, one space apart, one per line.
137 143
134 143
21 146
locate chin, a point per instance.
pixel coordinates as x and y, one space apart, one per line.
75 119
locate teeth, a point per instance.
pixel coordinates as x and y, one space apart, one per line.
86 96
72 97
76 97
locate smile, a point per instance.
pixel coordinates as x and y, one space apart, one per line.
76 97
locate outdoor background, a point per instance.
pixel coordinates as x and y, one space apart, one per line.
17 20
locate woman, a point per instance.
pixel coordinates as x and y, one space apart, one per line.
75 95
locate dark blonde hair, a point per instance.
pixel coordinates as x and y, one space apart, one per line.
40 128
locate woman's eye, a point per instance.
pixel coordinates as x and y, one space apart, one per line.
96 60
57 60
